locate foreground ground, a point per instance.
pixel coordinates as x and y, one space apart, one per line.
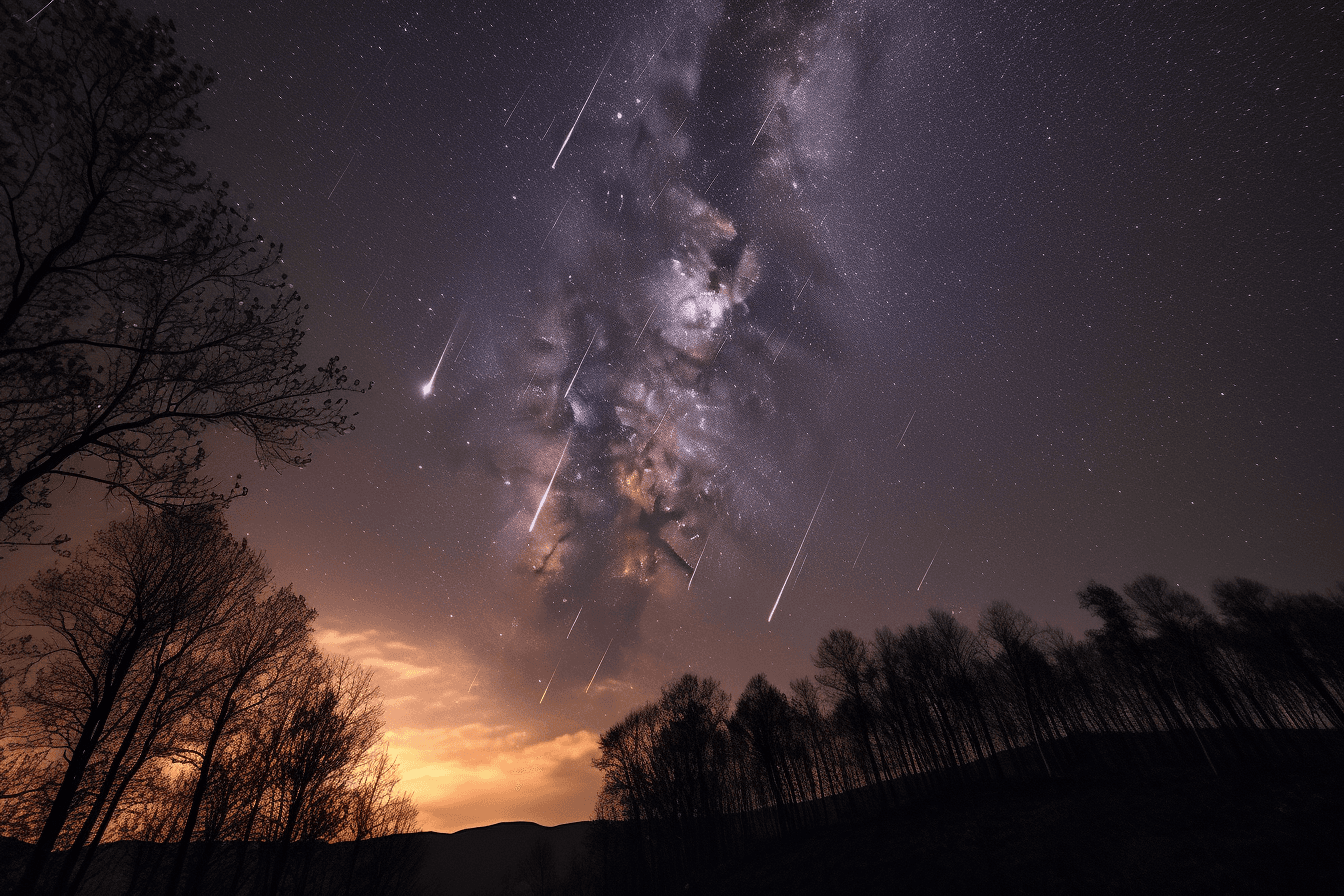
1262 833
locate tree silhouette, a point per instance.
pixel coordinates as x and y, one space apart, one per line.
138 306
1162 682
126 618
160 689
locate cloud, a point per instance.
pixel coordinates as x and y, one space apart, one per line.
478 774
368 650
461 764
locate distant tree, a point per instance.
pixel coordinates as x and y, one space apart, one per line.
846 671
137 307
1023 663
762 723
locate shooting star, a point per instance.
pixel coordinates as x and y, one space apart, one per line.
907 429
646 320
603 71
548 682
930 566
856 556
800 547
546 493
342 177
599 666
515 105
763 121
473 681
574 623
428 387
376 281
556 221
580 367
49 2
652 56
697 564
806 284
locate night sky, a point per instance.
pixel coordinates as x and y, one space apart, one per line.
861 308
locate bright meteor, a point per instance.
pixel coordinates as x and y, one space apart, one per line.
599 666
565 142
548 683
546 493
800 547
428 387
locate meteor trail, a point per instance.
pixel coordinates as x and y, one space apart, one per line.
763 121
646 320
49 2
599 666
800 547
343 170
907 429
930 566
473 681
515 105
376 281
556 221
428 387
603 71
580 367
574 623
856 556
548 489
806 284
548 682
697 564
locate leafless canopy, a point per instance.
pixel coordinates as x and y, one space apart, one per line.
137 306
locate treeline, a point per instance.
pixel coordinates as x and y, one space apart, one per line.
159 688
1163 682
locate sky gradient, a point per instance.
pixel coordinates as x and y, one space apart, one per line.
946 303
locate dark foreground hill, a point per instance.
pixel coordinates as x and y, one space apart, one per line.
1185 832
514 856
1189 834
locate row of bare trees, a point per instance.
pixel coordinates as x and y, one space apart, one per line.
1164 681
160 688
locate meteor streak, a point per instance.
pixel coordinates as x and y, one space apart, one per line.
907 429
556 221
580 367
44 9
546 493
369 294
856 556
697 564
599 666
763 121
428 387
515 105
603 71
930 566
574 623
343 170
548 682
800 547
646 321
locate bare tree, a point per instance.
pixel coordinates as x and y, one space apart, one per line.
250 655
124 619
137 307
